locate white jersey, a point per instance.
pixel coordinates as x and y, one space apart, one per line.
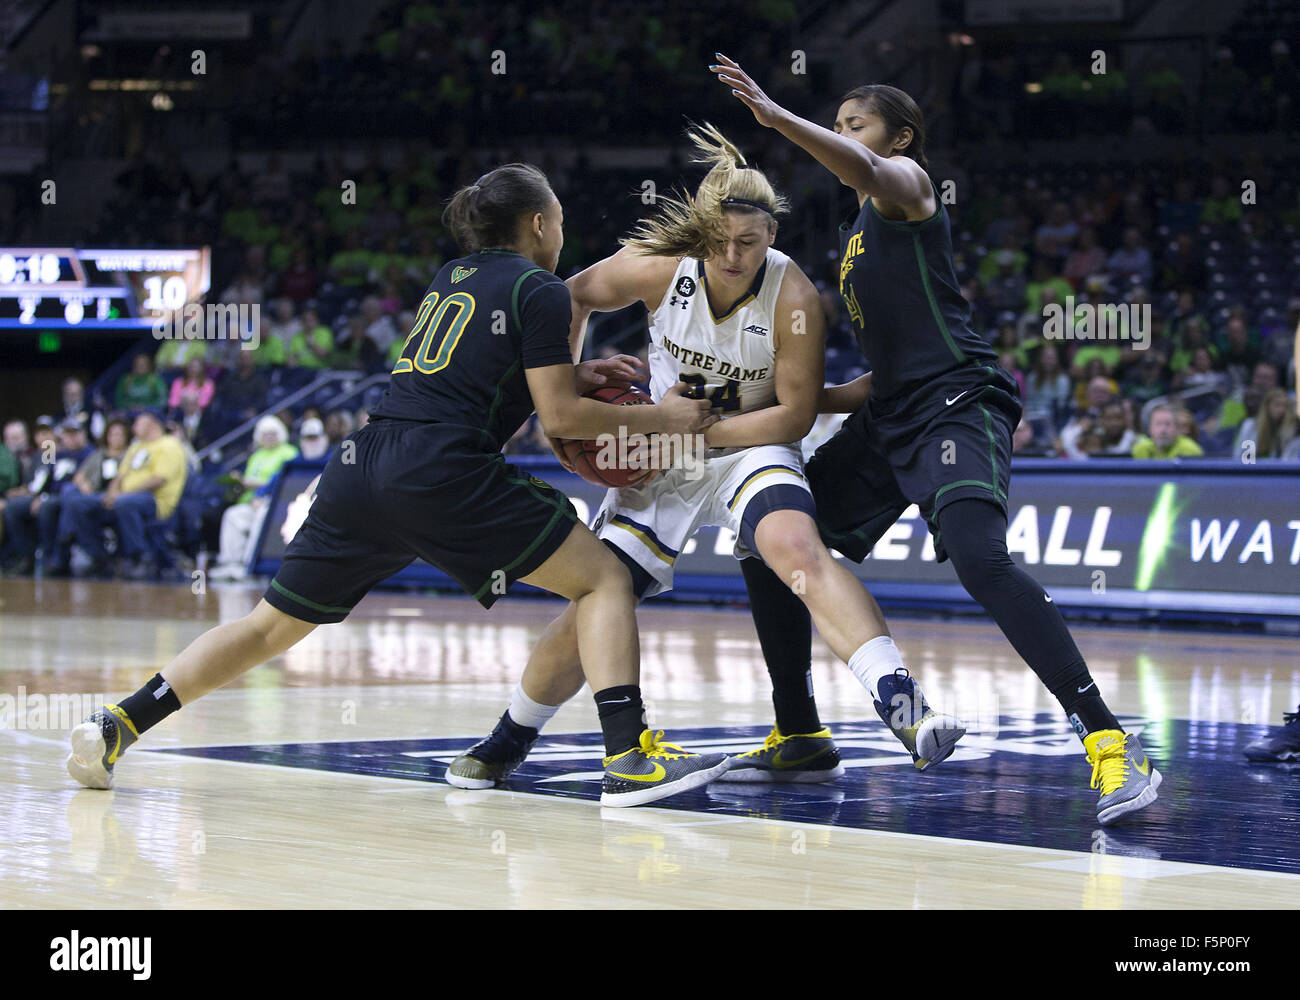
731 357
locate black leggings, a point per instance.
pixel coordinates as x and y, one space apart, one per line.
974 534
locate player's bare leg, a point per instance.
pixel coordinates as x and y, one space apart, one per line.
845 613
211 661
851 622
603 608
602 625
217 657
554 674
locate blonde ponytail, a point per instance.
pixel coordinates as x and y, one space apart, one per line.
695 226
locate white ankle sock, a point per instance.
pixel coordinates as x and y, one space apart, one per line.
526 712
873 660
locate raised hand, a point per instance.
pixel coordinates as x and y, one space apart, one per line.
766 111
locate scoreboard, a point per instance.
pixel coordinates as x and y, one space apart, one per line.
53 288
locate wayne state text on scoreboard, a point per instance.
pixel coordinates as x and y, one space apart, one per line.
53 288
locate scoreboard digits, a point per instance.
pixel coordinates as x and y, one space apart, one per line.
48 288
40 269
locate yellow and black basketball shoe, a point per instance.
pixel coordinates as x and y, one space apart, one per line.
98 742
802 757
654 770
929 737
490 761
1120 768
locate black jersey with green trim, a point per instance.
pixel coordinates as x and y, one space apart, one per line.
898 283
483 321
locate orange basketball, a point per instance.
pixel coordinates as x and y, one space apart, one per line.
590 458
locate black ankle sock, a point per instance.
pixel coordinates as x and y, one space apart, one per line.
1088 713
622 717
1077 692
151 704
784 629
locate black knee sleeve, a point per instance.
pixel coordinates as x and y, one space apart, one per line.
785 634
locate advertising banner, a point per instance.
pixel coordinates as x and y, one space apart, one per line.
1213 537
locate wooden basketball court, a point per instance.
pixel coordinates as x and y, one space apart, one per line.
316 781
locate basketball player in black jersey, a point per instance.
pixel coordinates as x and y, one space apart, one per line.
932 423
426 479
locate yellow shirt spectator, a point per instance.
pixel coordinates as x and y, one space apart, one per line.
1183 447
162 458
1162 439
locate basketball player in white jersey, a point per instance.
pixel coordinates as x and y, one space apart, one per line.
742 324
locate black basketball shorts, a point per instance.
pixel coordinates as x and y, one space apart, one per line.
948 439
414 490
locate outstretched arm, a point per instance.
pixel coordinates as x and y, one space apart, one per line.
565 414
897 179
618 281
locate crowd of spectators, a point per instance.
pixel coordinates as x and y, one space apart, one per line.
536 63
120 493
1199 292
64 485
1009 90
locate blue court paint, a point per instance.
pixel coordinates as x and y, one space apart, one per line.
1025 783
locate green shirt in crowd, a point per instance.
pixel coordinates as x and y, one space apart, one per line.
269 352
300 348
134 391
1034 293
1110 355
11 470
263 464
1183 447
177 353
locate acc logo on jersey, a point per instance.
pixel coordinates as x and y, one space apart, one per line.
685 286
755 328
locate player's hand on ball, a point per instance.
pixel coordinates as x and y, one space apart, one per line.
622 370
683 415
557 446
766 111
644 455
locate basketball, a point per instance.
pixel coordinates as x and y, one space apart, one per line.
590 459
